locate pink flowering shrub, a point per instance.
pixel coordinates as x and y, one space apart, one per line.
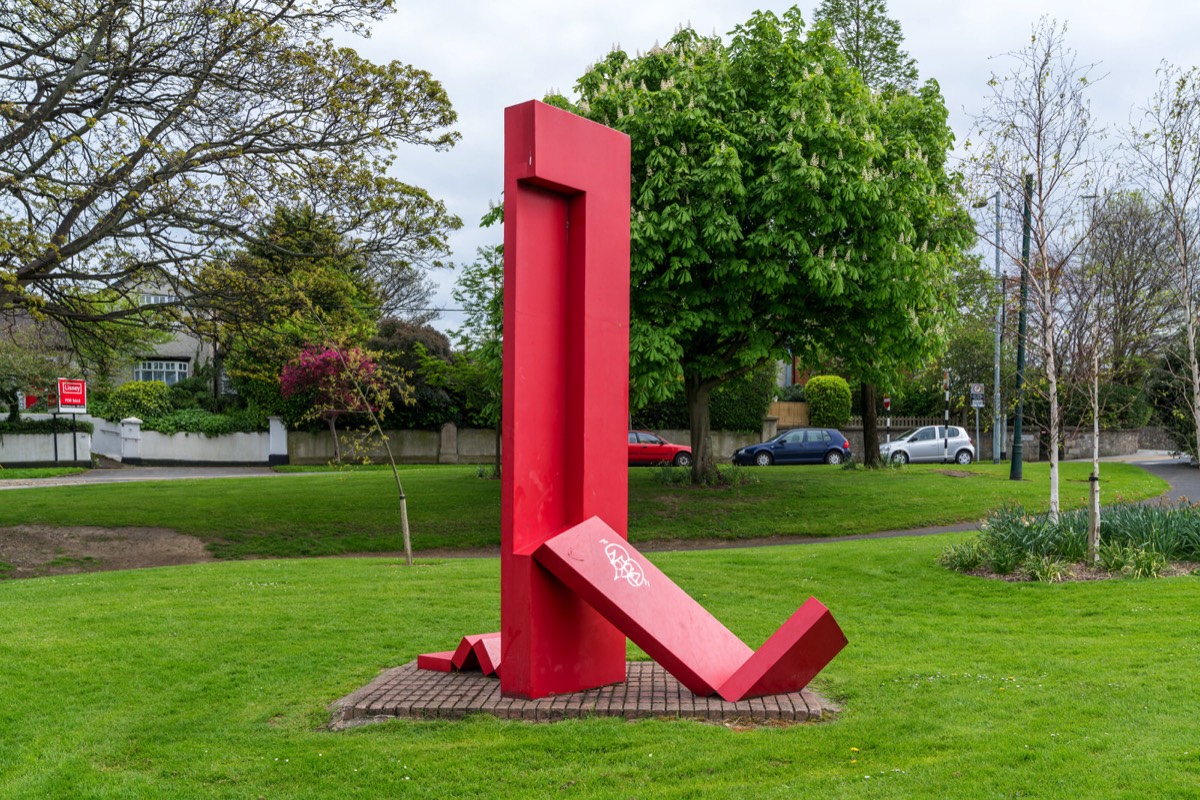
334 381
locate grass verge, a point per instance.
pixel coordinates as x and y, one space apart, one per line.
451 507
213 680
33 473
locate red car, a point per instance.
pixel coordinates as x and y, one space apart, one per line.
650 448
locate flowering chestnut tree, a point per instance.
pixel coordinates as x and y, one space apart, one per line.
335 381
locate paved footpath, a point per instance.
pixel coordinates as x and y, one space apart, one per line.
127 474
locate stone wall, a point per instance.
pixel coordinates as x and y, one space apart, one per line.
1077 443
724 443
1155 438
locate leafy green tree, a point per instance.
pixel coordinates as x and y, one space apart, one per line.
28 365
1169 390
969 354
736 405
772 194
303 283
410 352
870 40
105 347
480 294
145 135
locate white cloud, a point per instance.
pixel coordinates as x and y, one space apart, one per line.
490 55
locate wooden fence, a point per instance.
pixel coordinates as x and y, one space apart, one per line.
791 415
901 423
795 415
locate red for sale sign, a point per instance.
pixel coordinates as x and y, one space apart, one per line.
72 396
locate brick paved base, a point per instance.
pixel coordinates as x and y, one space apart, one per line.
648 691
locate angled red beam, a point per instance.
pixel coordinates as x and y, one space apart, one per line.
566 362
643 603
792 657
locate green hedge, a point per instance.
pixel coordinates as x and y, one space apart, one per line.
60 425
141 399
828 401
195 420
738 405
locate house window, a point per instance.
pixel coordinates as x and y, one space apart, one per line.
158 299
167 370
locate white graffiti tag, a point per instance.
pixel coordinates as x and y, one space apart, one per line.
626 568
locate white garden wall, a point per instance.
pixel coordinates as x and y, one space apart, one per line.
196 448
37 449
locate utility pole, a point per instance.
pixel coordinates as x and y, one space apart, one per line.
1014 472
946 424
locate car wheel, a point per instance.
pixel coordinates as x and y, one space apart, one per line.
833 457
963 457
900 458
763 459
683 460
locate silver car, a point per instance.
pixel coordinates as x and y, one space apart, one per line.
936 443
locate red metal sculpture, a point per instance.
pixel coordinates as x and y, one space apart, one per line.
571 586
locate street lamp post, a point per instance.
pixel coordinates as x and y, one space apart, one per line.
997 438
997 442
1014 470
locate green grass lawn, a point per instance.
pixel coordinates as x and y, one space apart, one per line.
212 681
26 473
356 511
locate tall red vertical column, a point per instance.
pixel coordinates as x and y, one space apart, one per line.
566 366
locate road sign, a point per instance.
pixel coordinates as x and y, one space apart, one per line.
887 404
976 395
72 396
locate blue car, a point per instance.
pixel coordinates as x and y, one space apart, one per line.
797 446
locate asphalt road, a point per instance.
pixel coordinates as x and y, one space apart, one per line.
1183 477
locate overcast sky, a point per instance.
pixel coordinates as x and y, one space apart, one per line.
490 54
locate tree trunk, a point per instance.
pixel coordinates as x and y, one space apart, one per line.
1193 367
337 450
218 360
1052 390
1093 549
870 426
499 436
704 466
14 408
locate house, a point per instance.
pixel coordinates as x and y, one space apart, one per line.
172 359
